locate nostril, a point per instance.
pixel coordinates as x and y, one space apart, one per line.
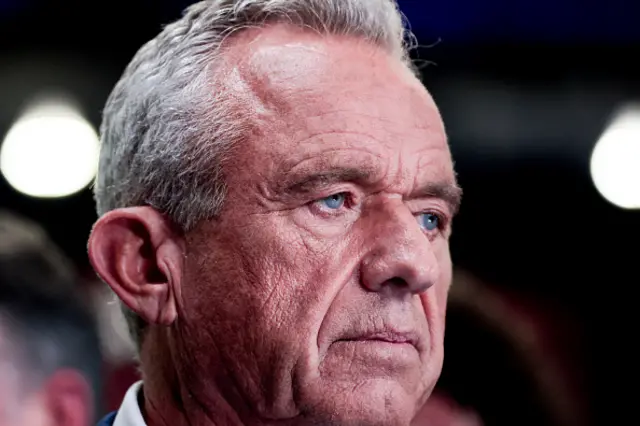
414 283
398 282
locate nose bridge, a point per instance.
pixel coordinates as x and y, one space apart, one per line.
394 221
399 252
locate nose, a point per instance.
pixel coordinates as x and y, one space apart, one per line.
400 254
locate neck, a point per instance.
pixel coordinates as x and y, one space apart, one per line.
175 398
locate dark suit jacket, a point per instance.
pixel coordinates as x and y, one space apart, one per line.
108 420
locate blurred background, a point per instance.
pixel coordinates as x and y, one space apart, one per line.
542 103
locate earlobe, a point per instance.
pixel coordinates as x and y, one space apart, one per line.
139 255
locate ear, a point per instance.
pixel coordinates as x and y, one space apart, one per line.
139 254
69 399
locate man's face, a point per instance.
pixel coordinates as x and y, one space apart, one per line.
319 294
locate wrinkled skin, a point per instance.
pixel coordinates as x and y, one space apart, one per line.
317 297
322 310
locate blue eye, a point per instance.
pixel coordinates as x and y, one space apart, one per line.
335 201
429 221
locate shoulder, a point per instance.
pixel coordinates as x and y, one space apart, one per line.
108 419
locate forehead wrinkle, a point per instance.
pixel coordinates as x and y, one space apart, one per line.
334 158
303 115
386 134
346 140
425 161
351 113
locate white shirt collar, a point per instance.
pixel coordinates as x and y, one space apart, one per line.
129 413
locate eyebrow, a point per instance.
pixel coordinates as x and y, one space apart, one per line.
450 192
309 183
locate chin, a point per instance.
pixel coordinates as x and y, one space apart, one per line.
372 402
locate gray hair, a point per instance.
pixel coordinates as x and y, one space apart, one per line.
165 136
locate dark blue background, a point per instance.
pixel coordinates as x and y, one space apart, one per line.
470 21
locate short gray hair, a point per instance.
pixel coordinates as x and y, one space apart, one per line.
165 136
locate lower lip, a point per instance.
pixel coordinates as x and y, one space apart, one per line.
378 351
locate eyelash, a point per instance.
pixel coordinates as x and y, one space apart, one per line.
349 202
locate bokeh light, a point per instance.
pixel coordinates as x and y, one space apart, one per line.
51 150
615 162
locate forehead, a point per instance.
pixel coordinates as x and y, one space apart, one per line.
312 96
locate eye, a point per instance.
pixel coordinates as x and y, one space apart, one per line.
334 201
429 221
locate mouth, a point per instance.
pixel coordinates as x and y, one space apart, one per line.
385 336
390 350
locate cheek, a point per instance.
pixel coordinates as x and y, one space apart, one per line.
270 275
446 270
434 300
302 278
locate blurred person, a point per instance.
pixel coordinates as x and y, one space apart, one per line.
521 347
50 363
275 195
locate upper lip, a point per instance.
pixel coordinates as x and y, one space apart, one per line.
391 336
